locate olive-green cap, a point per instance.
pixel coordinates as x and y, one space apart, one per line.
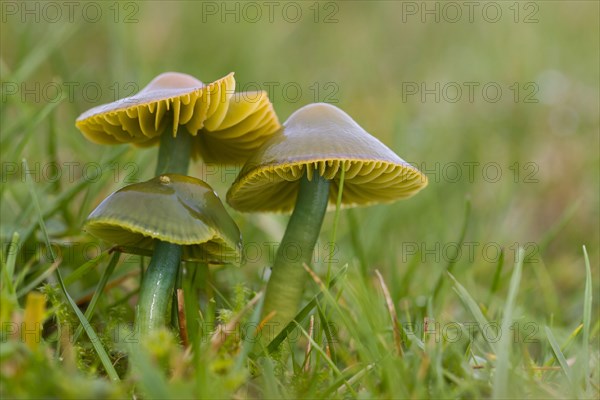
322 139
171 208
227 127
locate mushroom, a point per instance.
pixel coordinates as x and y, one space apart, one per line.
218 125
179 214
300 169
222 127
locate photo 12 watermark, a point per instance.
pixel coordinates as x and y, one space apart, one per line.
469 92
468 331
452 12
265 252
53 12
468 251
227 12
65 252
70 91
292 91
69 172
475 171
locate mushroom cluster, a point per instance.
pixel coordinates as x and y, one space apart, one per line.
297 168
174 217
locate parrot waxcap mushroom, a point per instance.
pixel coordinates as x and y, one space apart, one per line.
171 208
174 100
172 218
319 140
300 169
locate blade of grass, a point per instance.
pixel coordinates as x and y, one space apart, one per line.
326 327
357 245
52 148
497 274
408 334
104 359
393 314
587 319
307 352
36 206
336 221
94 339
547 283
331 364
472 306
412 338
248 344
500 385
571 338
11 255
89 312
339 385
454 258
9 266
190 305
562 361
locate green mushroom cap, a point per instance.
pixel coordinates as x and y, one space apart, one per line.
171 208
321 139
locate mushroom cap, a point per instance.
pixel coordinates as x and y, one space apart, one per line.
171 208
322 139
235 125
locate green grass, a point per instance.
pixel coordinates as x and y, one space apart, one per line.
493 295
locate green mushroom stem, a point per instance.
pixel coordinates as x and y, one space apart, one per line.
159 279
286 283
157 286
174 154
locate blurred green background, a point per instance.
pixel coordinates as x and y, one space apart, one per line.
526 156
